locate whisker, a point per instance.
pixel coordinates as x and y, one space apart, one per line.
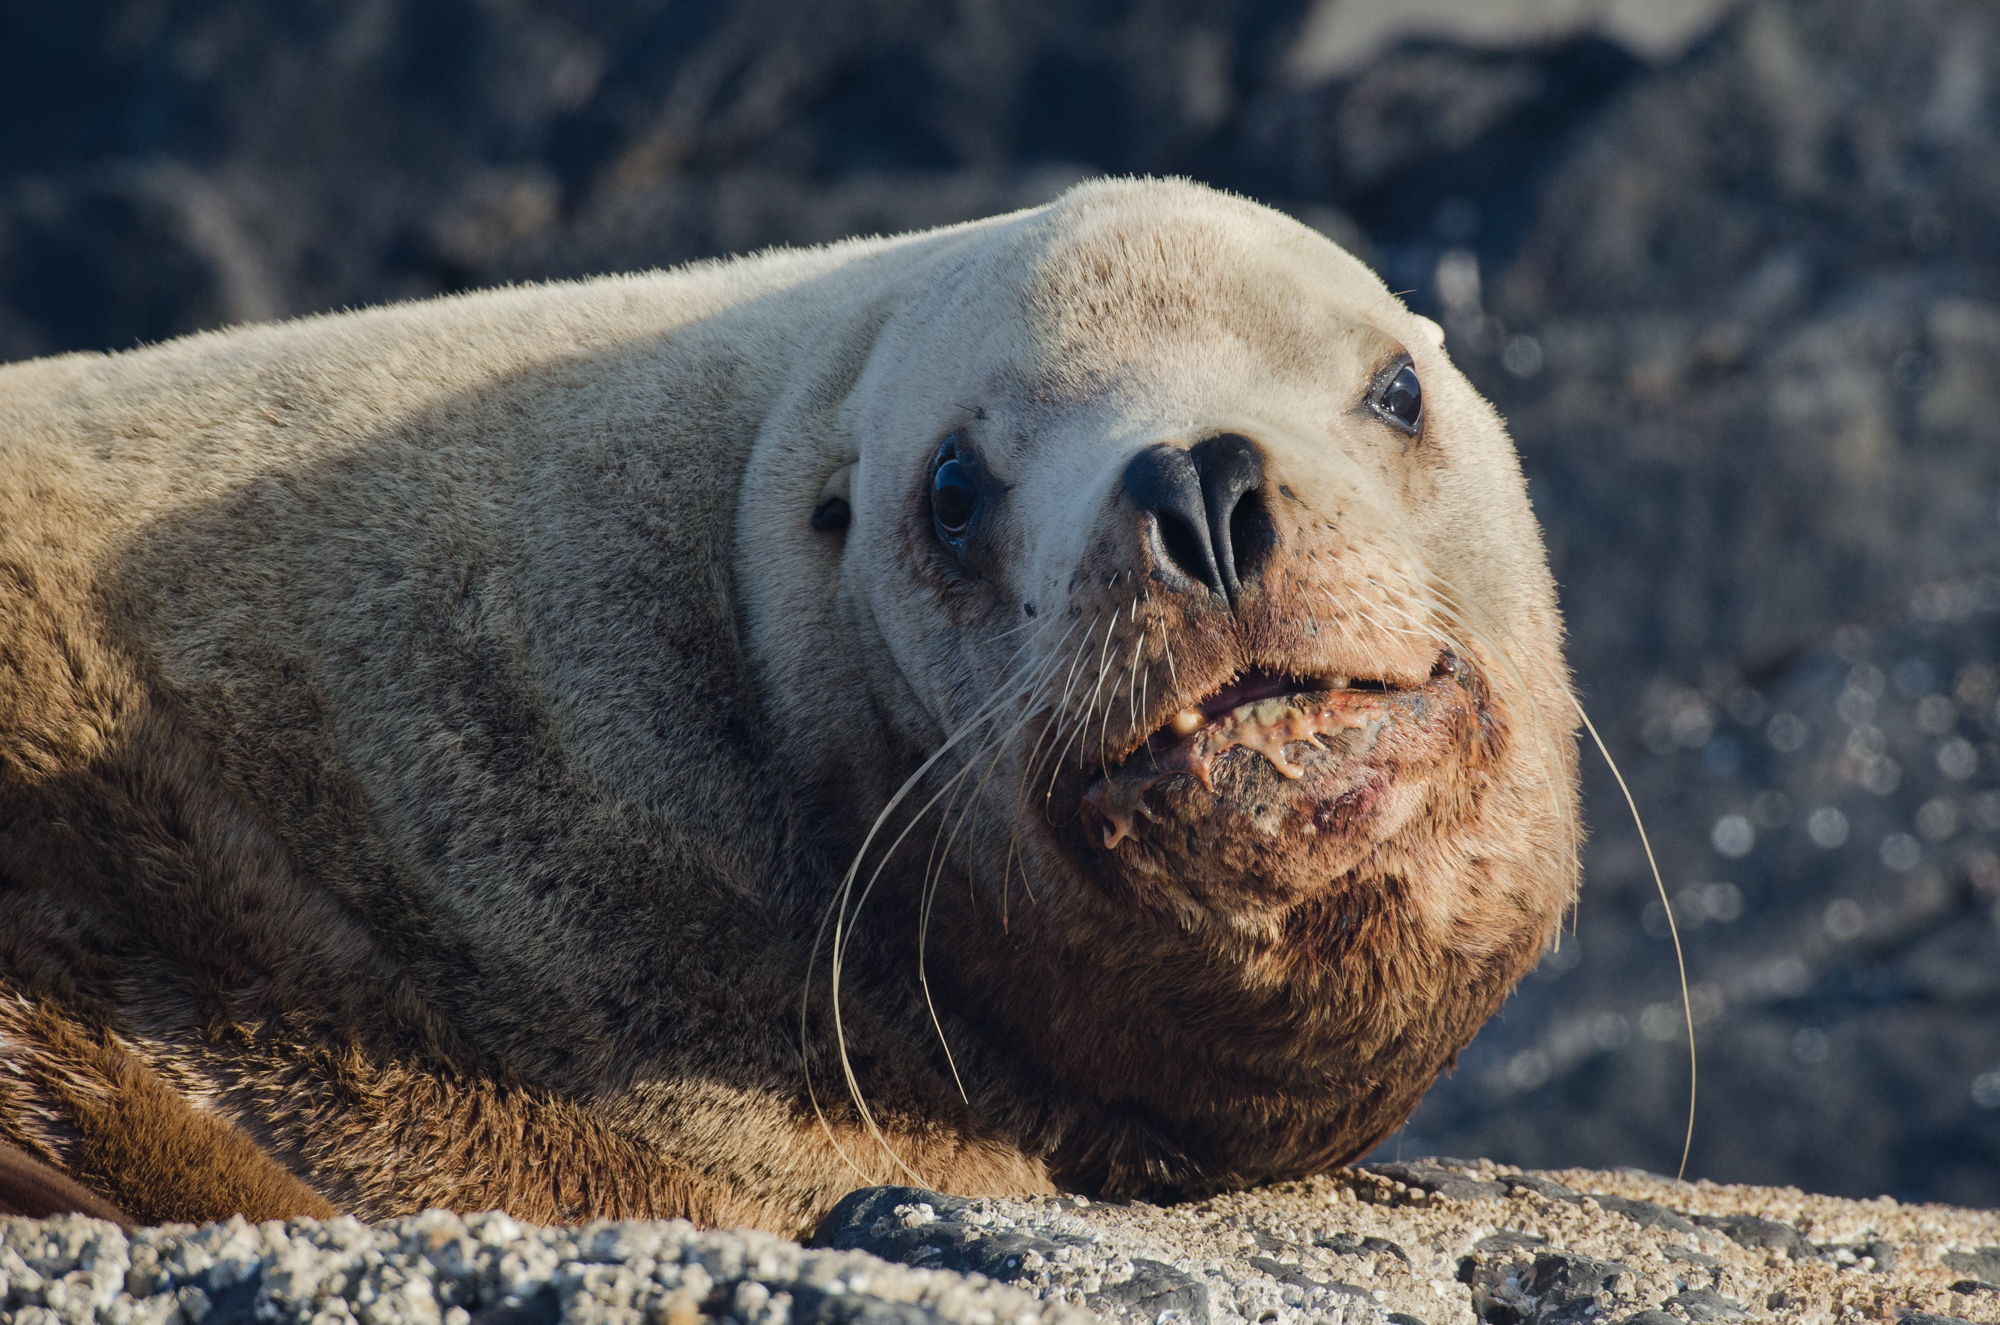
1103 660
1081 726
1146 674
1680 959
1132 677
1062 704
1448 602
845 903
933 878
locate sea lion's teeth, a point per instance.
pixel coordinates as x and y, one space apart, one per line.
1187 722
1339 682
1262 712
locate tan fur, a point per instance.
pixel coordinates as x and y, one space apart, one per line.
432 738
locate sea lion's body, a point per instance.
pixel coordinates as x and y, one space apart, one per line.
431 739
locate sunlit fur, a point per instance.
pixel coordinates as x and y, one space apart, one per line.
441 764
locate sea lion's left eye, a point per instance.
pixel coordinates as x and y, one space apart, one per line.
954 497
1401 399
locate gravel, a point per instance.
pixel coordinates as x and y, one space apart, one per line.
1455 1242
439 1269
1430 1242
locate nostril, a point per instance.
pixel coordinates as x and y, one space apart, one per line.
1252 536
1162 481
1183 546
1241 533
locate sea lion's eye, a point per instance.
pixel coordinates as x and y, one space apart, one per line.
1401 399
954 497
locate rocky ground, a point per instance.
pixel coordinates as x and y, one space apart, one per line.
1433 1242
1727 266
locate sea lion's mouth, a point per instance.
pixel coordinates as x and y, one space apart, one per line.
1259 741
1244 704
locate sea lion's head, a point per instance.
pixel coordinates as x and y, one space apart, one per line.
1200 622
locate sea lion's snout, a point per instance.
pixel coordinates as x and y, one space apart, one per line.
1205 523
1277 696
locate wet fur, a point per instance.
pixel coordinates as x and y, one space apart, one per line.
431 739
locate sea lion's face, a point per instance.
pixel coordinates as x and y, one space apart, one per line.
1222 584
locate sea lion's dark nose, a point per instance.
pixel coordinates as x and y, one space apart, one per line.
1208 524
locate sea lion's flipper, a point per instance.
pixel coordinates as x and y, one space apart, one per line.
32 1189
135 1148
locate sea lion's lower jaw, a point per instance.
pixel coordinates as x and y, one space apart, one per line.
1268 799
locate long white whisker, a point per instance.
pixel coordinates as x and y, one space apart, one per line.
1081 727
1680 959
1449 603
1103 661
1132 676
933 878
837 916
1061 706
1145 673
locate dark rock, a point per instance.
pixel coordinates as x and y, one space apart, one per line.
1265 1241
1969 1286
1152 1291
1750 1231
1982 1263
1433 1177
543 1307
1651 1316
1646 1214
1931 1318
1557 1289
918 1228
1565 1287
1705 1306
1689 1256
836 1311
1508 1239
868 1220
237 1304
1883 1254
1340 1244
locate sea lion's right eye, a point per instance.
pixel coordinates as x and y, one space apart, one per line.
954 498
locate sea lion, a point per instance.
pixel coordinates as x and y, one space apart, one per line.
1073 700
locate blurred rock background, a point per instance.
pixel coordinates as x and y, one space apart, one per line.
1730 267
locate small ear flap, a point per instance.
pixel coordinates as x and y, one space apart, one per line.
1431 329
833 511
